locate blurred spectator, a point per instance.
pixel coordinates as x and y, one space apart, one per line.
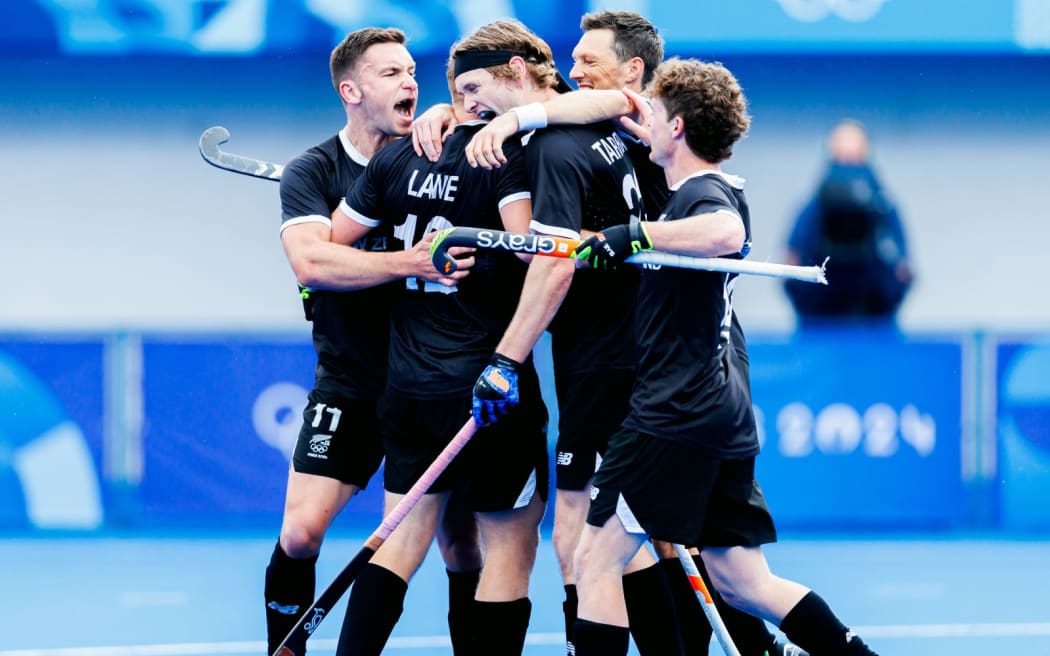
850 220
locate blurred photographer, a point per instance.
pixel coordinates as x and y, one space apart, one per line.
850 220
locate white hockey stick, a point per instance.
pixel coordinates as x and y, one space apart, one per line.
692 572
516 242
210 141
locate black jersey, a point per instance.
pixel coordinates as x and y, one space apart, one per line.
441 337
581 179
350 329
655 194
651 178
691 388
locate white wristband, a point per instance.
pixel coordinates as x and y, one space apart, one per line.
531 117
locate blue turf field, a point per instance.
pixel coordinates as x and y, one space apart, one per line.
201 595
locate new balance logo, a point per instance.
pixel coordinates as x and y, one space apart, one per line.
564 458
850 635
283 610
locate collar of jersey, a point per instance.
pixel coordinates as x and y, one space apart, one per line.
352 152
733 180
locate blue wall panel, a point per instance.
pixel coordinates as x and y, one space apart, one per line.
1022 414
860 429
51 432
220 420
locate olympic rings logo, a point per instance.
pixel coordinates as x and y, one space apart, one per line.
811 11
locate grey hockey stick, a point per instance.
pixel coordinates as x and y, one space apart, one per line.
210 141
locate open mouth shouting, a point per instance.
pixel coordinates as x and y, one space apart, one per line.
405 109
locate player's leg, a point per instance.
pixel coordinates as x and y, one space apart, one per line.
459 543
570 514
738 522
414 433
337 452
651 612
507 484
602 555
742 576
695 629
378 595
750 634
591 407
311 502
502 607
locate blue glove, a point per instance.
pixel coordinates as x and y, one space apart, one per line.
610 247
496 391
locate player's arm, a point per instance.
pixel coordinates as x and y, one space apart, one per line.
575 108
343 267
431 128
712 234
305 234
709 234
546 285
319 263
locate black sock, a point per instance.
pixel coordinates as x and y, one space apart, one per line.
812 626
651 613
696 630
568 609
594 639
500 626
461 589
376 601
749 633
288 590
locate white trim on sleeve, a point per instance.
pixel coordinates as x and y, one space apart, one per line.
311 218
521 195
357 216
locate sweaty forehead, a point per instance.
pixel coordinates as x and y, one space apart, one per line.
595 43
385 55
476 76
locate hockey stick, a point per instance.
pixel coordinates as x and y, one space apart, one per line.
212 154
312 616
516 242
706 602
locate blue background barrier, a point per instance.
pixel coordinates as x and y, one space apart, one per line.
1022 413
278 26
51 449
861 429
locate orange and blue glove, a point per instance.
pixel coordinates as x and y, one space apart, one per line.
496 390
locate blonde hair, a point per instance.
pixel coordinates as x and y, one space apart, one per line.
512 36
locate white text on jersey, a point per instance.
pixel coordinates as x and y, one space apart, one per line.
611 148
435 186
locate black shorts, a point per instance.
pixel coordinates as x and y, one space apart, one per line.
501 468
676 493
339 438
591 407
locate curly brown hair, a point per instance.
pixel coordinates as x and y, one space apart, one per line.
710 101
345 55
513 36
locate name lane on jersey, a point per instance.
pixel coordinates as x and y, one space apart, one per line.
435 186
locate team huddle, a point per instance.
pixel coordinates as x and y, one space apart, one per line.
656 436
